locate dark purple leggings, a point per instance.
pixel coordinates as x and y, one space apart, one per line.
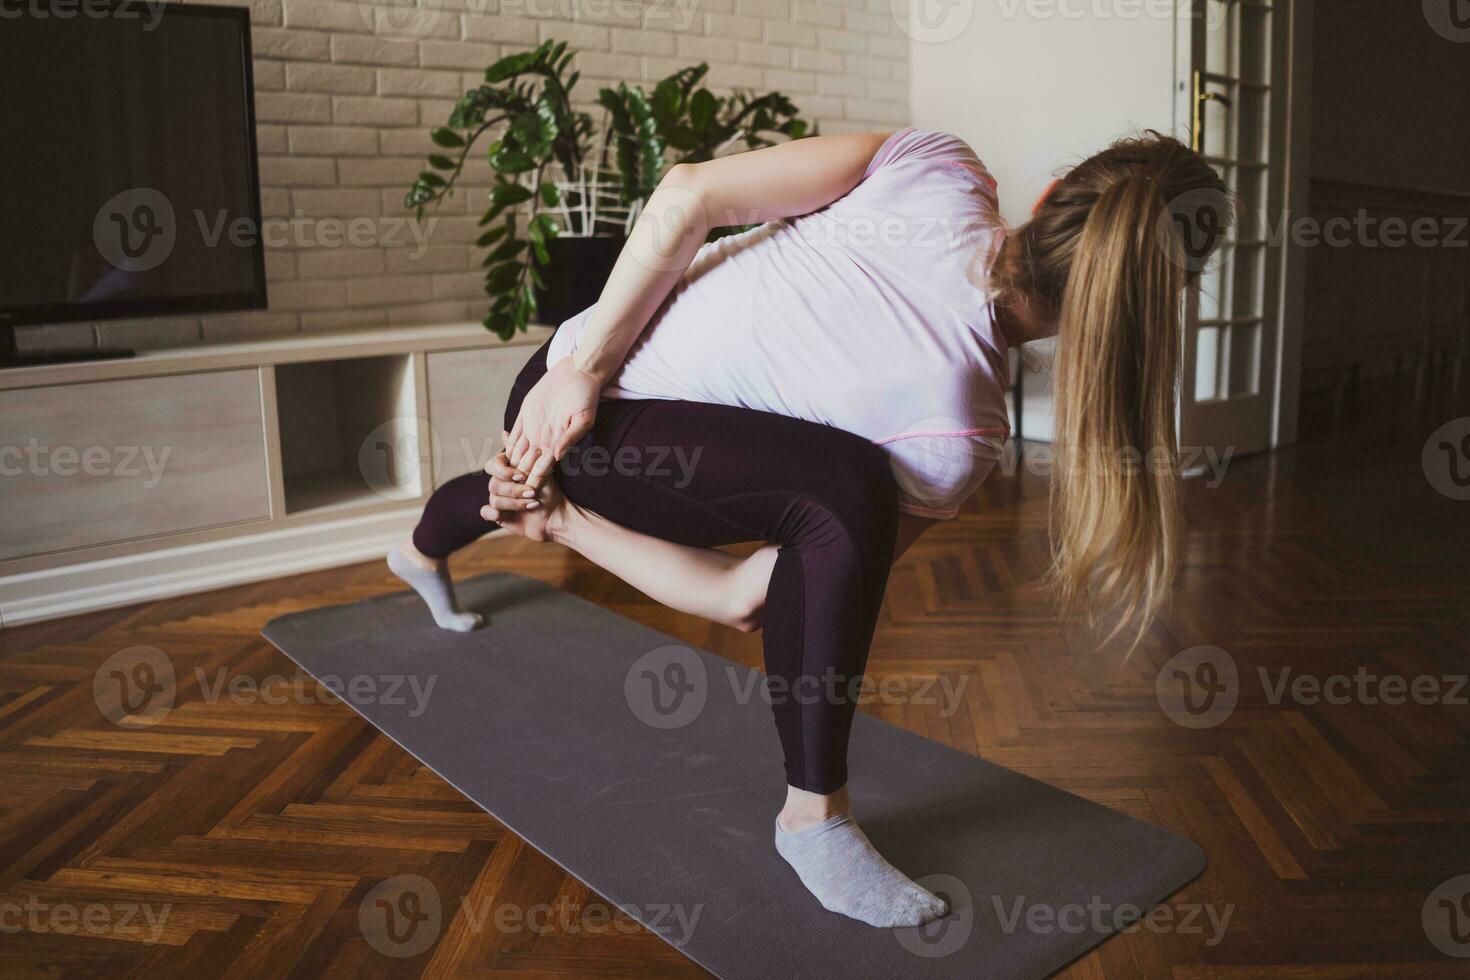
826 496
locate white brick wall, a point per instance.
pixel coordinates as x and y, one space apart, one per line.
343 115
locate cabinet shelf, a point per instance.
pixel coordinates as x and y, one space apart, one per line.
350 433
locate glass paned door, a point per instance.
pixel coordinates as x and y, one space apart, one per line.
1231 58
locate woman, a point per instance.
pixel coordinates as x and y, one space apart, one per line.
832 383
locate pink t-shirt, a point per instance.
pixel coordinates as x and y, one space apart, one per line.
869 315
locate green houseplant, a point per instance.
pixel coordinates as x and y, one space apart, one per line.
683 122
529 95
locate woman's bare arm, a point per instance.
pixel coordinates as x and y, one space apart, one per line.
776 182
704 582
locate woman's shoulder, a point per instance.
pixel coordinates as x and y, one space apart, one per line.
917 149
912 142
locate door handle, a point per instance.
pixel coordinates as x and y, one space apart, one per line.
1197 130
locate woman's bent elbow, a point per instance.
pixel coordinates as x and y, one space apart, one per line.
683 176
748 615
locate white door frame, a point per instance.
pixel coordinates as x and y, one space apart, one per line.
1301 22
1290 141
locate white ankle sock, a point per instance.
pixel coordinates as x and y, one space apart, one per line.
837 864
436 588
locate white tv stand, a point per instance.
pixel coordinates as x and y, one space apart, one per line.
179 471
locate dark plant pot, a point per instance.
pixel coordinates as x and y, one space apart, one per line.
575 276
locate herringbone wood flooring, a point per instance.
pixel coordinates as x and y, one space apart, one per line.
252 828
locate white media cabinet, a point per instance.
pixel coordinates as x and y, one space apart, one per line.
184 470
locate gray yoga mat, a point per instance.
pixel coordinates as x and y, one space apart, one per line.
652 773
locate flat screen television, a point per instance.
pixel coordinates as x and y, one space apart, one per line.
130 180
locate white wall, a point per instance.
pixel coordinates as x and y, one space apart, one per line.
1035 86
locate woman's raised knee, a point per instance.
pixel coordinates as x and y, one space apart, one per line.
861 490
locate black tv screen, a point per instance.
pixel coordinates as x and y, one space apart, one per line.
129 177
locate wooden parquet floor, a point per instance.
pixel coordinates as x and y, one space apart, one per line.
250 831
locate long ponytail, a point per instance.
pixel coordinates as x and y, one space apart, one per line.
1104 260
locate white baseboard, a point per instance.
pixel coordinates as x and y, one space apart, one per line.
87 586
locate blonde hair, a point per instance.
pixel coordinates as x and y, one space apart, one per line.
1106 260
